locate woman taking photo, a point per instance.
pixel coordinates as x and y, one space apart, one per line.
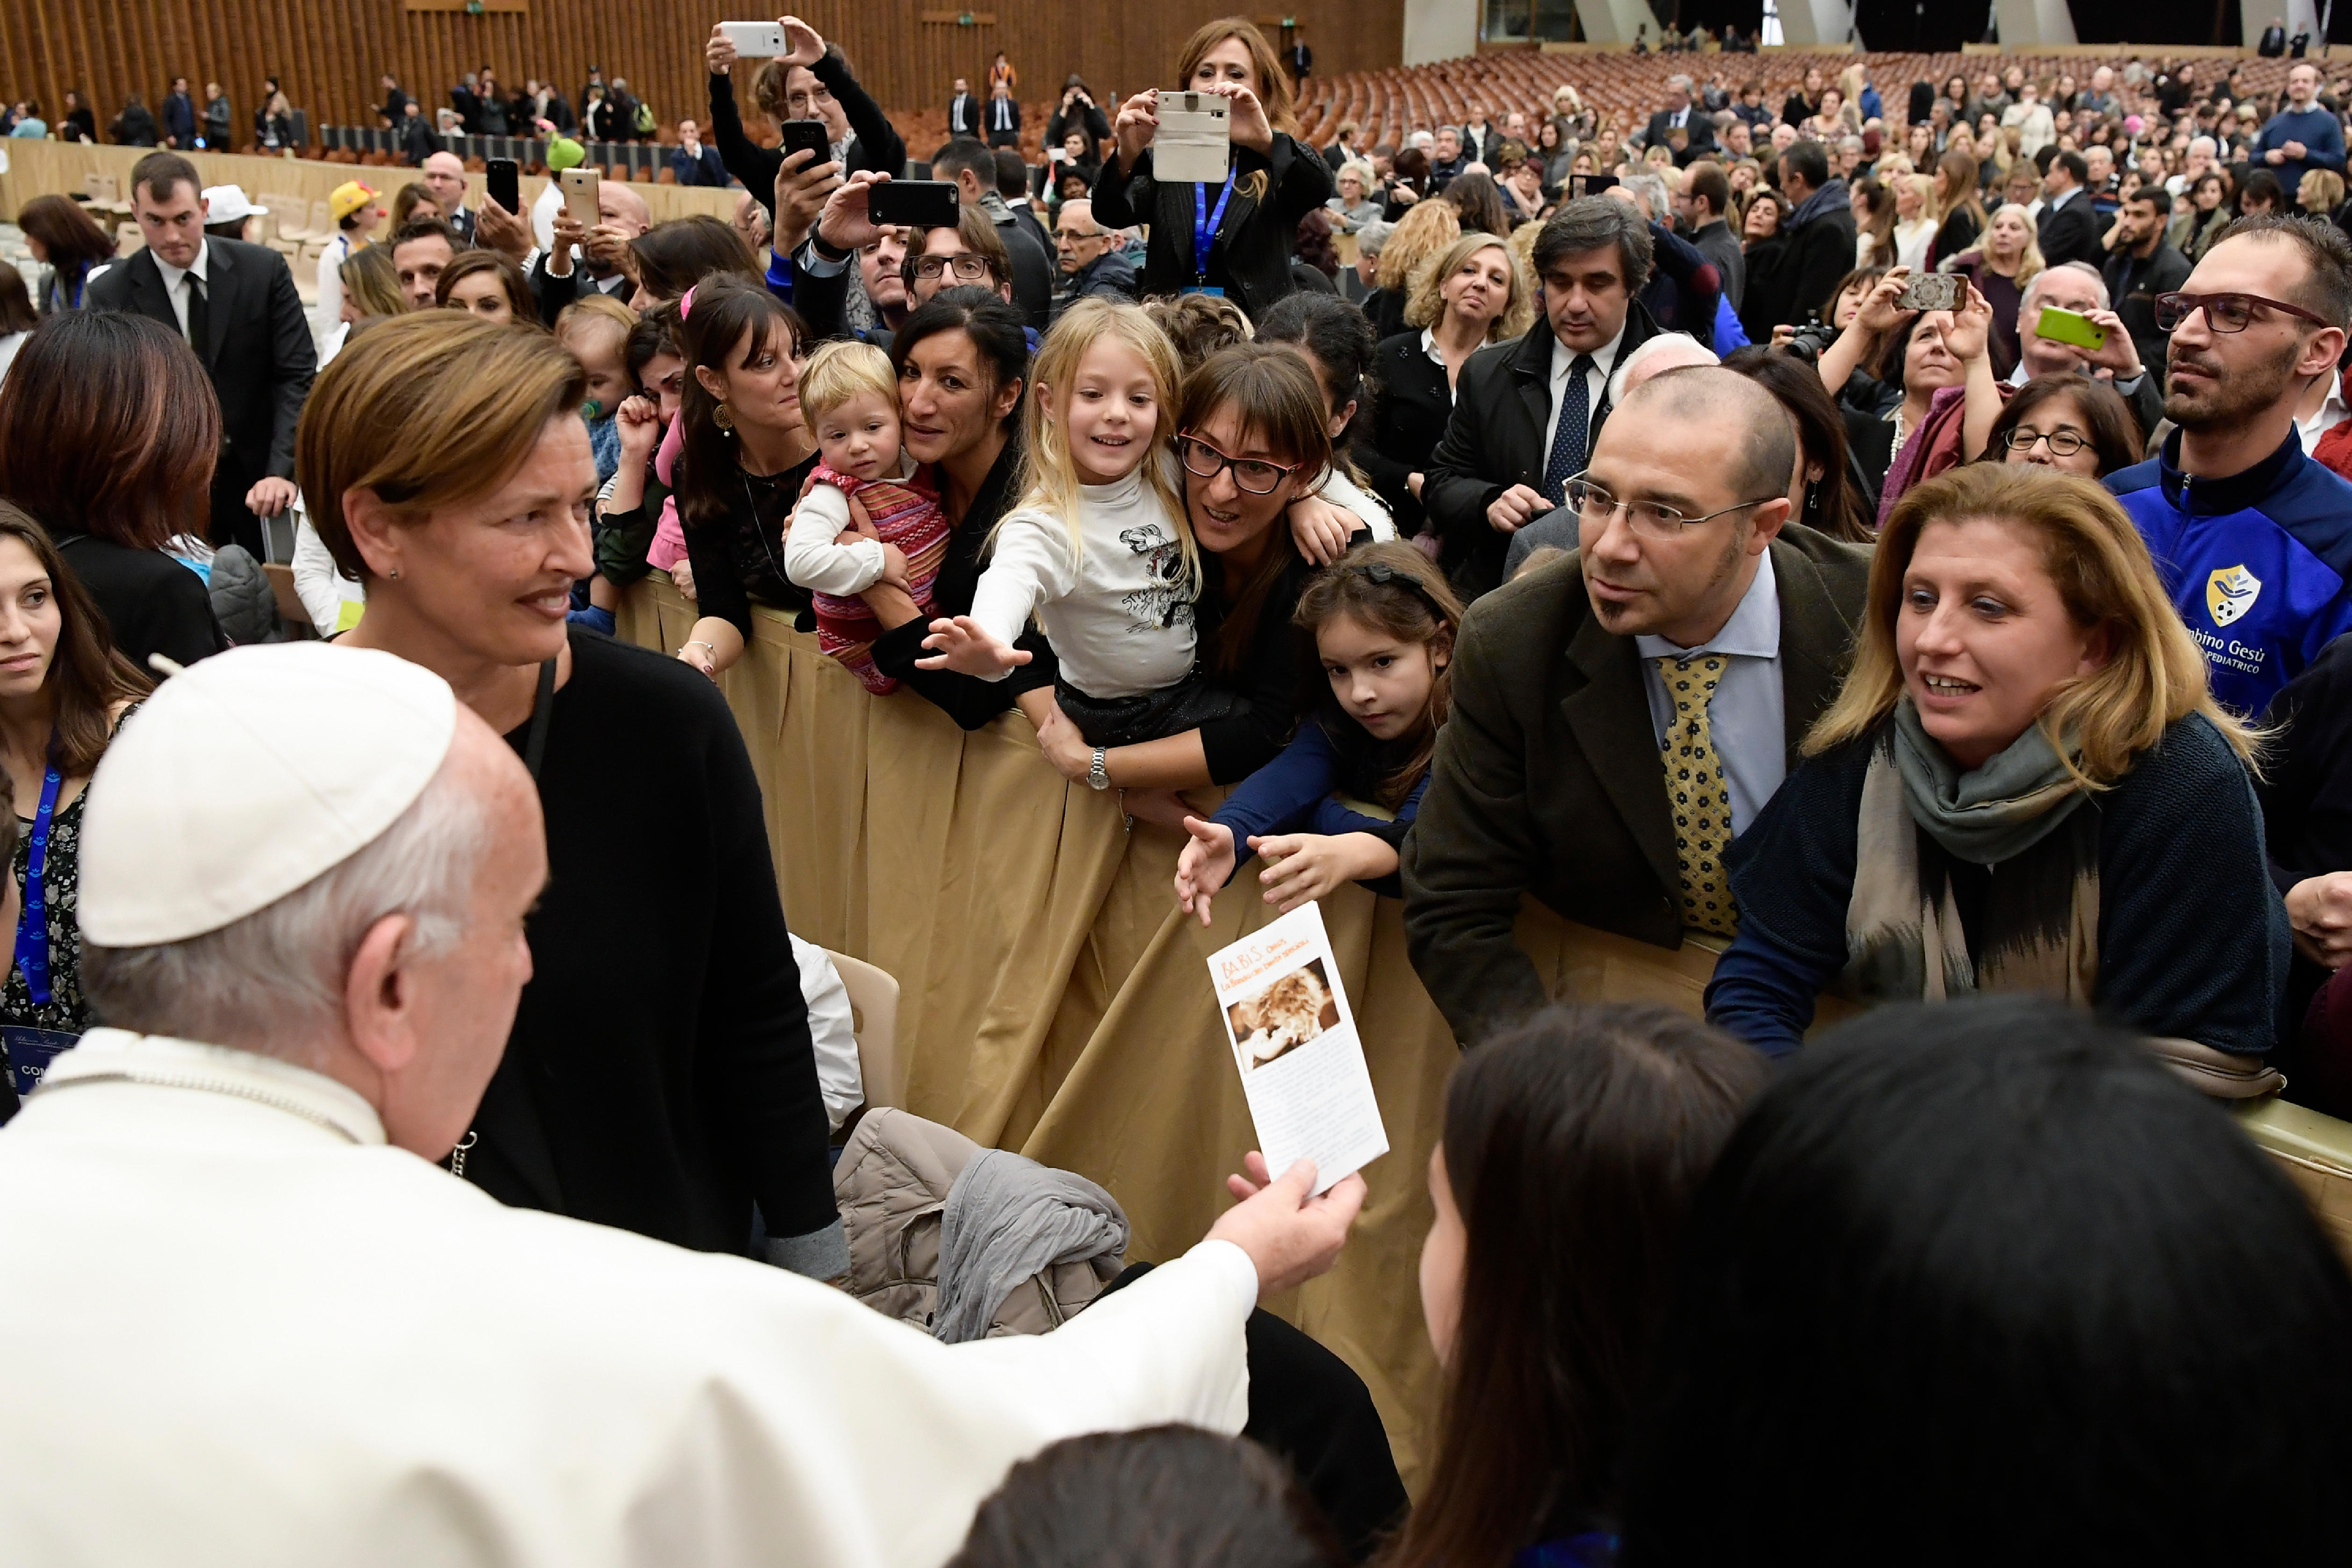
65 242
1470 299
109 432
1960 217
2076 424
658 1077
1236 237
1907 357
2018 659
745 450
2000 267
63 690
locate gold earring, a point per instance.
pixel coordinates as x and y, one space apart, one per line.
723 419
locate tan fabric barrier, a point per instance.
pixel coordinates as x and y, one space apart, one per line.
44 168
1055 1001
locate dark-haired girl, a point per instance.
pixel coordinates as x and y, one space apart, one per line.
1383 621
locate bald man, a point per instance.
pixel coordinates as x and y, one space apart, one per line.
1621 712
445 181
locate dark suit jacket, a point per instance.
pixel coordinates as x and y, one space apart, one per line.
2070 233
1701 126
964 115
1547 778
260 357
1495 439
705 168
1249 255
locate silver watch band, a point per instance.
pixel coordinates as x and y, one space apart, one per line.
1098 774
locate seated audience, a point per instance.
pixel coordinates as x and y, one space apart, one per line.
668 1094
1168 1497
1472 297
2017 662
2230 504
1384 622
1937 1244
1589 1128
1241 247
1581 698
285 1172
63 690
109 432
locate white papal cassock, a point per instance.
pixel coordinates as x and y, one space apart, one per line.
242 1329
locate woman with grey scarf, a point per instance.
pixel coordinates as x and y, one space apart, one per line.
2024 786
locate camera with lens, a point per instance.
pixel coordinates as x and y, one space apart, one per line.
1811 339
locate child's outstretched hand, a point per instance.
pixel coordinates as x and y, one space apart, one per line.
1321 530
966 646
1207 861
1303 868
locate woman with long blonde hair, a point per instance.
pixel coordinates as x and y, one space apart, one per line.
1414 245
1235 235
1479 291
2025 784
2000 264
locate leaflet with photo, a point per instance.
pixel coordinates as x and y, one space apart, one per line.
1294 1040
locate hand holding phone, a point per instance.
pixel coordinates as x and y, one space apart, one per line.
505 183
579 196
1194 142
807 135
2062 326
756 40
916 204
1930 292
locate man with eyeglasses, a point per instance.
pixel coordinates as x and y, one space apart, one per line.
1620 713
2075 286
973 168
1092 259
2254 539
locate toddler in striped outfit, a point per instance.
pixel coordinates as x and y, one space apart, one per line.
849 397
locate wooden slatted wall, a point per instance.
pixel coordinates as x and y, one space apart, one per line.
329 53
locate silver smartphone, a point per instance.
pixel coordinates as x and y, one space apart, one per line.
756 40
1194 143
579 196
1931 292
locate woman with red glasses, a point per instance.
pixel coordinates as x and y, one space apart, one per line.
1252 438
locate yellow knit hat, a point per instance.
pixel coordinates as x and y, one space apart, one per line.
348 198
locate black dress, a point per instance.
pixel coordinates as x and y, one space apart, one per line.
739 558
659 1076
1416 400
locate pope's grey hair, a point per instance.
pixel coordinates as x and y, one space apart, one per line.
273 982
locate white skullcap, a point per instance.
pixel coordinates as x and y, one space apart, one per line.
254 773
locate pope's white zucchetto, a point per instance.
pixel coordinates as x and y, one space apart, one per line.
247 776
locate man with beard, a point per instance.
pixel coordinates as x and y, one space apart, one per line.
1620 713
2254 539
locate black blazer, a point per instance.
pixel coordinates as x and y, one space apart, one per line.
964 115
2070 233
1415 402
1547 781
1249 255
1701 126
1495 439
259 358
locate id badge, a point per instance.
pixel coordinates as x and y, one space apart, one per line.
1203 288
30 1052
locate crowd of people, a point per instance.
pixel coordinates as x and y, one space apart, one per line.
179 120
1741 533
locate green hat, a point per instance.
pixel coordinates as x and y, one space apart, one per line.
562 154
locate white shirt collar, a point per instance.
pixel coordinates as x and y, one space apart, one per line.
1752 631
1604 358
172 275
117 1056
1429 346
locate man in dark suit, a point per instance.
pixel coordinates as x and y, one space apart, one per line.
2274 40
1526 412
1619 715
963 111
1681 114
417 140
2068 230
235 305
1003 117
178 116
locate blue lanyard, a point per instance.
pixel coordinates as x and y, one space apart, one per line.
33 926
1206 223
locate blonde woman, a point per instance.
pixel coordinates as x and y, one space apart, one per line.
2320 193
1915 220
1476 293
1418 237
2000 266
2024 786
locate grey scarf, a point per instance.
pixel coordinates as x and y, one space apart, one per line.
1995 813
1008 1218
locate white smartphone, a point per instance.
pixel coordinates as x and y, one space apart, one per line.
756 40
1194 143
579 196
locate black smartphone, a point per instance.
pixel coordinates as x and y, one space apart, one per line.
1588 184
506 183
809 134
916 203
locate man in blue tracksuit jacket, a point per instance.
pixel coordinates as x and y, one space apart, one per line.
2253 539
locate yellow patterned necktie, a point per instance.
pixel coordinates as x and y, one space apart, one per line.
1698 793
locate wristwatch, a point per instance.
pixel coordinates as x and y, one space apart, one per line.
1098 776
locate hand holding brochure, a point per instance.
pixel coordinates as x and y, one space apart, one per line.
1294 1040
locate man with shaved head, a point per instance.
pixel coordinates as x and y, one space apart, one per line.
1621 712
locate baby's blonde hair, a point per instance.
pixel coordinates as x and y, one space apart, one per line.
1049 473
841 370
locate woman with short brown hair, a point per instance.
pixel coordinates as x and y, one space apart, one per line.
659 1075
109 432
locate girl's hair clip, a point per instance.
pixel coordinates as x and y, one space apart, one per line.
1386 575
